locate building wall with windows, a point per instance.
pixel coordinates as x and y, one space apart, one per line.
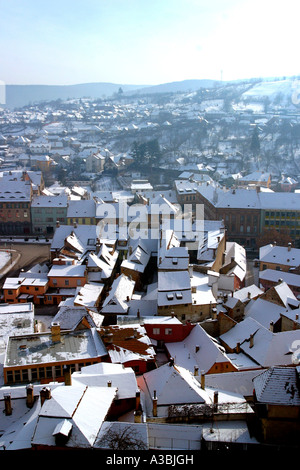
46 211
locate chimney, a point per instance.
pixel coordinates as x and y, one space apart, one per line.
45 394
154 403
67 375
196 371
251 340
289 246
249 295
271 326
137 400
138 416
7 404
258 189
202 380
109 383
197 348
216 396
108 337
238 348
29 396
171 362
57 223
55 332
75 225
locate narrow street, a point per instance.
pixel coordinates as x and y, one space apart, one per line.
252 275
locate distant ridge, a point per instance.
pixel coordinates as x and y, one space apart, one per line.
183 86
22 95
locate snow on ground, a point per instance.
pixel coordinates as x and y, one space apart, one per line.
4 259
272 88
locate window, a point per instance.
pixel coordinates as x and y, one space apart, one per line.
156 331
58 371
54 281
17 376
66 282
24 375
168 331
9 376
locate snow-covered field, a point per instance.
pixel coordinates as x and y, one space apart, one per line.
288 89
4 258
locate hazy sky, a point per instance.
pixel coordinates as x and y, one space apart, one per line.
146 41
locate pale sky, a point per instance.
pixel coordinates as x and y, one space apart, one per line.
146 42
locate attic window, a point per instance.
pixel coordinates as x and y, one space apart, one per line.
175 261
170 296
178 295
62 431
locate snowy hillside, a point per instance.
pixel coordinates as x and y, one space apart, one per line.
286 89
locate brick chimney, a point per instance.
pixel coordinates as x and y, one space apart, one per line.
196 371
137 400
55 332
29 396
154 404
67 375
45 394
7 404
216 399
202 380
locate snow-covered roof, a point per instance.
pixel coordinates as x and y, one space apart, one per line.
274 276
88 295
83 408
39 348
76 270
49 201
117 302
278 386
123 378
81 208
197 349
287 256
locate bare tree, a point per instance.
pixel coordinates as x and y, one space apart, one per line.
122 438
